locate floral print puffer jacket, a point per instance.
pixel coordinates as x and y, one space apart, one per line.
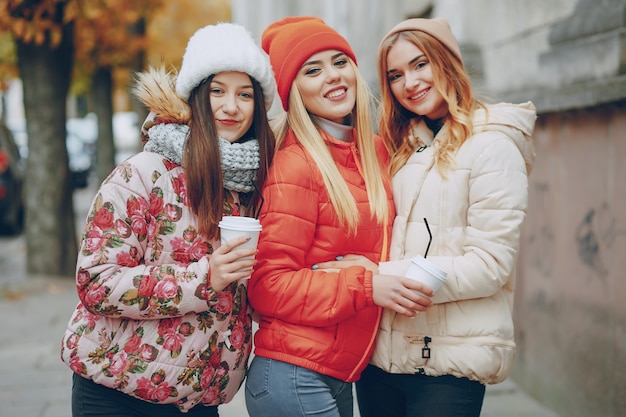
148 322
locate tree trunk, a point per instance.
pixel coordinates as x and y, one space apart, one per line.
51 240
102 104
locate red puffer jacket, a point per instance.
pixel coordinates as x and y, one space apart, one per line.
323 321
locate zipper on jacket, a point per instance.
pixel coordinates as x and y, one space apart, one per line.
426 349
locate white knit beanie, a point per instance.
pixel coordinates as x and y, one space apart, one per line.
224 47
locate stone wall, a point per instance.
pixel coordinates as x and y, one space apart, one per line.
570 313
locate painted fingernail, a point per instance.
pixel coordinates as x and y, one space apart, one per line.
339 257
314 267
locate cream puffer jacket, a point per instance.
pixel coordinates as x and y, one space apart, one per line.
475 216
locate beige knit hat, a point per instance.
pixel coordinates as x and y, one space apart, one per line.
438 27
224 47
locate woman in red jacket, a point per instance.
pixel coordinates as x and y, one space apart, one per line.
325 195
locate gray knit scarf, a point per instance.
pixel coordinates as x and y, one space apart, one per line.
240 161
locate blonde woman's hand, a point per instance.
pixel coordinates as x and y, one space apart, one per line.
229 263
346 261
400 294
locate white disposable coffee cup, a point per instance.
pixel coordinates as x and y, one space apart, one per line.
235 226
423 270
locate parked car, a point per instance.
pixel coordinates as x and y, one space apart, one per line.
82 134
12 167
126 135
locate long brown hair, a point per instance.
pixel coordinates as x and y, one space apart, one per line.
202 159
451 81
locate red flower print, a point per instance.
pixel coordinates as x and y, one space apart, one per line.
72 341
221 371
95 295
156 205
103 218
210 395
237 336
125 259
157 378
180 188
173 341
147 353
168 325
166 288
146 286
178 244
173 212
224 302
169 165
119 364
186 329
94 240
198 249
76 365
122 228
152 229
138 225
215 359
83 277
207 377
190 234
161 392
136 206
132 345
154 393
143 387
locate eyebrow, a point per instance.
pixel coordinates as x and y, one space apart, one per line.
337 55
240 86
411 62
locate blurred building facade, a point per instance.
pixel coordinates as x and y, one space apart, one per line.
569 58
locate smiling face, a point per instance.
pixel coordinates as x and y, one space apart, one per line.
232 101
410 78
327 83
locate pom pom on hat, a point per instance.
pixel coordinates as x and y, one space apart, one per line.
224 47
292 40
438 27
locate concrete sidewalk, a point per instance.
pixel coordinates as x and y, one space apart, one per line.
35 383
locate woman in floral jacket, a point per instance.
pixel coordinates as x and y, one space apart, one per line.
163 325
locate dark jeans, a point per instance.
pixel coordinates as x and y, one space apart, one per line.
93 400
400 395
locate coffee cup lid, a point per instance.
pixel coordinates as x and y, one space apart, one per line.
240 223
430 267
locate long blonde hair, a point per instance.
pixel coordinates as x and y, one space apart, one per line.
299 121
451 81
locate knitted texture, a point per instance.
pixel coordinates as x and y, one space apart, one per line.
240 161
438 27
291 41
224 47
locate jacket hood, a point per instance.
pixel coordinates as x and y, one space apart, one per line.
167 124
155 88
517 121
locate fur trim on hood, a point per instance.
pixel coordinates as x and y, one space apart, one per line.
155 88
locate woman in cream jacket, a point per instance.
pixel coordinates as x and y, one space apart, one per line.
460 168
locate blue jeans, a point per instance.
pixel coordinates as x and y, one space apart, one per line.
413 395
278 389
93 400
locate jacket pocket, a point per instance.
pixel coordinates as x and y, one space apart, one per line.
411 352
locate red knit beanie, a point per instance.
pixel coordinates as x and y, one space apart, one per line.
291 41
